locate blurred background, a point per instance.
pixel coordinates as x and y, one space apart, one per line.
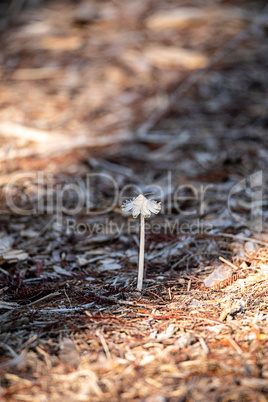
93 74
136 90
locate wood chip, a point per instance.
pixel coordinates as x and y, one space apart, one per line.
173 57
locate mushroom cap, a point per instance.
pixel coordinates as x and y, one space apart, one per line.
141 205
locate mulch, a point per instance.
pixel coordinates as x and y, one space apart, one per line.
91 93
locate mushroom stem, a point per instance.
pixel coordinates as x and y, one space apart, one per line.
141 256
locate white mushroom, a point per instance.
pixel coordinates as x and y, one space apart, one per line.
143 207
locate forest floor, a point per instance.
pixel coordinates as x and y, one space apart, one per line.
101 101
